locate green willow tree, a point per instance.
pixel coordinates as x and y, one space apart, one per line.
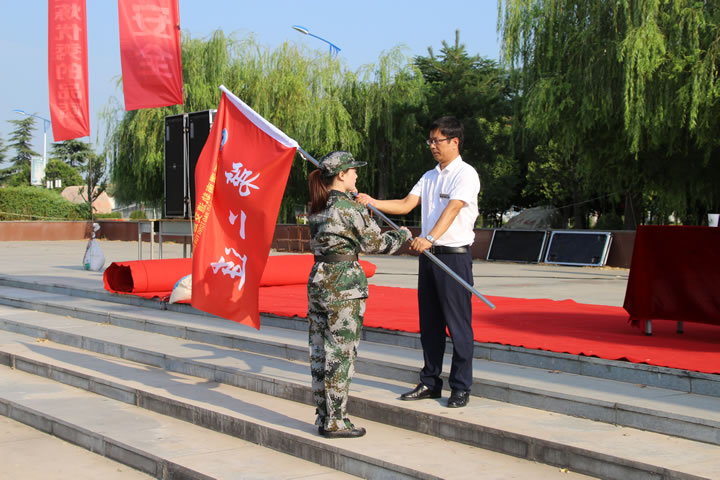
380 113
298 93
387 103
301 94
626 93
565 65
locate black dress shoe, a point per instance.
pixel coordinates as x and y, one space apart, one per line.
458 398
421 392
354 433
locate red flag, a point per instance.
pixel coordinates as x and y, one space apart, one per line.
150 53
240 178
68 69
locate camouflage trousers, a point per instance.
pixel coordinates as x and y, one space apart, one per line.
334 334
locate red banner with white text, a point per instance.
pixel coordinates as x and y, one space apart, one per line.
240 178
68 69
150 53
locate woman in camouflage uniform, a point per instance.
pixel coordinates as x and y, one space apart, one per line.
337 287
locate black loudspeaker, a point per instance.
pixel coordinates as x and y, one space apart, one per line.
185 137
517 245
174 178
199 124
578 248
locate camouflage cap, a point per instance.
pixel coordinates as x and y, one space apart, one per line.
336 162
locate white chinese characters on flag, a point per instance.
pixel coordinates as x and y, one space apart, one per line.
240 178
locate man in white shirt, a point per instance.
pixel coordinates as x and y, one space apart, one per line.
448 197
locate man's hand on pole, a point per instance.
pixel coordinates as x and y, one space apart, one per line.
365 199
420 244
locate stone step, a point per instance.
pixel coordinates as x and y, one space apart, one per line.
681 414
27 453
150 442
621 371
152 419
585 446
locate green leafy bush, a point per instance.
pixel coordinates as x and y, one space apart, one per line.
138 215
33 203
108 215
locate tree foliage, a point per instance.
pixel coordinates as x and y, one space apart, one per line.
95 181
387 103
21 138
3 151
599 106
74 153
56 169
625 92
32 203
18 173
297 93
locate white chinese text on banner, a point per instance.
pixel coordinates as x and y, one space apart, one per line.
240 178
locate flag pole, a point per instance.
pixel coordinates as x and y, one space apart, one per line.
427 253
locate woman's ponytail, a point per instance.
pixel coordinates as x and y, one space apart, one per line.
318 186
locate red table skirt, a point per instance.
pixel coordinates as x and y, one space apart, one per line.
675 275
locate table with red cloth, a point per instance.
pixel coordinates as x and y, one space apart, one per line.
674 275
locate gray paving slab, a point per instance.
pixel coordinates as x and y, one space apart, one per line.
27 453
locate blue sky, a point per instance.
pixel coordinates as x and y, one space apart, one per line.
362 29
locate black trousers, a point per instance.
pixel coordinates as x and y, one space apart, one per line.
442 303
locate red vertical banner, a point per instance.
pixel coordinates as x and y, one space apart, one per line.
150 53
240 178
68 69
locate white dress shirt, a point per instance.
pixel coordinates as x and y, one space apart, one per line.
457 181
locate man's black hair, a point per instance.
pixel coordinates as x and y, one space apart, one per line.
451 127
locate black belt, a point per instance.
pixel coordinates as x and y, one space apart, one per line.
441 249
336 258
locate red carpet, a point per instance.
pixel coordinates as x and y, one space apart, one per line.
156 278
146 278
557 326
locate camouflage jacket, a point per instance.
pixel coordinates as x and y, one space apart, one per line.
345 228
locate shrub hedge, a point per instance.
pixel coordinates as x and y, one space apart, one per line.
109 215
33 203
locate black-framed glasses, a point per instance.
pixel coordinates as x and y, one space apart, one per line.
435 141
